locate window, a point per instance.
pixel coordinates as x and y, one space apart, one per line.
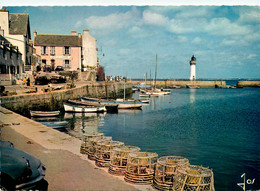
66 50
67 64
44 50
52 51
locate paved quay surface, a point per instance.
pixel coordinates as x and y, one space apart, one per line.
67 168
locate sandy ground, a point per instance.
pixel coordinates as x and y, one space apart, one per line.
67 168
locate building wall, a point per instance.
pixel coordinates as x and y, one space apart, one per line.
75 56
8 62
89 46
4 21
18 40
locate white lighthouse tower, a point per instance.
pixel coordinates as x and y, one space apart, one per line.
193 68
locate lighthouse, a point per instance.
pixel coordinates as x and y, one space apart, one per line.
193 68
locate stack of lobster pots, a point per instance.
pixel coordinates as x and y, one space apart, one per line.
103 151
194 178
85 141
119 158
92 148
166 171
140 167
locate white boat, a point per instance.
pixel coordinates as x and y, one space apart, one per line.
121 103
83 109
44 113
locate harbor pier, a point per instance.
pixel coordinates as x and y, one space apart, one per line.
183 83
53 100
66 167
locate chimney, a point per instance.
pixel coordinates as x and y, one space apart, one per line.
34 33
85 31
73 32
79 35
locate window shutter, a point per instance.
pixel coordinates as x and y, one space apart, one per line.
42 50
69 50
63 64
46 50
70 63
54 50
63 50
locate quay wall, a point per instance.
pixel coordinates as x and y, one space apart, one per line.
183 83
54 100
249 83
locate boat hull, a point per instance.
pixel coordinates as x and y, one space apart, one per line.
83 109
121 105
44 113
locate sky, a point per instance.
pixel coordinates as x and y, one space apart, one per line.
224 39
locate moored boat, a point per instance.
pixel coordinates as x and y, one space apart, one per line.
110 107
55 124
44 113
83 109
121 104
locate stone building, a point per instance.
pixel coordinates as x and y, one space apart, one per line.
15 27
74 52
59 50
10 62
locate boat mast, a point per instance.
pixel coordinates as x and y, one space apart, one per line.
155 71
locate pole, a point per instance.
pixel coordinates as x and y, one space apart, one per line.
155 71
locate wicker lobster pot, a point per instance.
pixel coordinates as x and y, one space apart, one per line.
85 141
119 158
91 148
140 167
166 169
103 151
194 178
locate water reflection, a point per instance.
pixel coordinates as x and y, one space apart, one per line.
83 123
192 95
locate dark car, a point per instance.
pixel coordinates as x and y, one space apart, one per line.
59 68
20 170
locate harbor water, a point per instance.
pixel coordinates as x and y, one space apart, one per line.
215 128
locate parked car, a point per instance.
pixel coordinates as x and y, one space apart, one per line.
59 68
20 170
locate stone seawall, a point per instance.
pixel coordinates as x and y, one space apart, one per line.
54 100
183 83
249 83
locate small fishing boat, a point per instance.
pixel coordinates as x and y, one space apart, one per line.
55 124
83 109
121 104
139 100
44 113
110 107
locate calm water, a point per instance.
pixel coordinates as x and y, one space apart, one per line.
215 128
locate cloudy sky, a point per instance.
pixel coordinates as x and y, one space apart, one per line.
224 39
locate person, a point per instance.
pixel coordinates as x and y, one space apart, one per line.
28 82
99 99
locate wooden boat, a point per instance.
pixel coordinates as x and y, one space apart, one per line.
139 100
83 109
110 107
121 104
44 113
54 124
